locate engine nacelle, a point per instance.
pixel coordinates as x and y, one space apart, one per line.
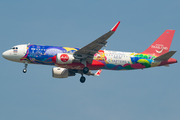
62 58
58 72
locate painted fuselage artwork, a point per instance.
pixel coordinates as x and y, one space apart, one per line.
111 60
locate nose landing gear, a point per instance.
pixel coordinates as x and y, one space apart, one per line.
25 69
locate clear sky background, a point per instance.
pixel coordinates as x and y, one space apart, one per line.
149 94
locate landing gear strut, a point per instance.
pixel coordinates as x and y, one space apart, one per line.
85 70
25 70
82 79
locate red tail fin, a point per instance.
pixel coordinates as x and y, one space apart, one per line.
162 44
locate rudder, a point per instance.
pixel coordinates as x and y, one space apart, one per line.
161 45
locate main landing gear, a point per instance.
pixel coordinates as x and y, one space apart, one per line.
84 71
25 68
82 79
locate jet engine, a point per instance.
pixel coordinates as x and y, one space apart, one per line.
58 72
63 58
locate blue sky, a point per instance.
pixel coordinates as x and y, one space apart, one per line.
149 94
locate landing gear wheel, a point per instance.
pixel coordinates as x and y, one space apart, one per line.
82 79
85 70
24 70
25 66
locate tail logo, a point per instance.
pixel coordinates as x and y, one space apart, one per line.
64 58
159 48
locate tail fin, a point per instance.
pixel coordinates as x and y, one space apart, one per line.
162 44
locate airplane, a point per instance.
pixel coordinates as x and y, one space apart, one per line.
71 60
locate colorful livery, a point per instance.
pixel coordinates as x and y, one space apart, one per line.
70 60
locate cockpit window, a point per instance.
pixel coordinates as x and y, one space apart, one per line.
14 48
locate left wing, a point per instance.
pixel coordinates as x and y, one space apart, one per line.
89 50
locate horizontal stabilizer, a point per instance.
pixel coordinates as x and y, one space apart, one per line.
165 56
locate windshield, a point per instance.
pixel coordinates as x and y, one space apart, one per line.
14 48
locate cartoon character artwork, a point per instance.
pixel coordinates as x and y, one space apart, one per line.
100 56
70 50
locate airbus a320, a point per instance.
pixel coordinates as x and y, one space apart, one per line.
72 60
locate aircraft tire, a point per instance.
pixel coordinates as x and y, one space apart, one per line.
82 79
24 70
85 70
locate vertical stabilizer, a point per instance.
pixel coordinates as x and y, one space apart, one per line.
162 44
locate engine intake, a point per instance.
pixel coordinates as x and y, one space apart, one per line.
58 72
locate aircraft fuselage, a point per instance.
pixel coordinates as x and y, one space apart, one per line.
104 59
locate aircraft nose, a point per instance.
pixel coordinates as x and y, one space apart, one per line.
5 54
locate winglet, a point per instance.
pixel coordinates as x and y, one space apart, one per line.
98 72
115 27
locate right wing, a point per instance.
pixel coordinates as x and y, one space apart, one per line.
89 50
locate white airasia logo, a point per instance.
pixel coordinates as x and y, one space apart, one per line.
159 48
64 57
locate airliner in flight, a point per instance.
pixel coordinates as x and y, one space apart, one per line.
71 60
